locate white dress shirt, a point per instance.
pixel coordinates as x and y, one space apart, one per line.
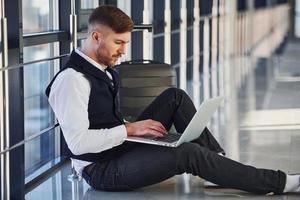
69 98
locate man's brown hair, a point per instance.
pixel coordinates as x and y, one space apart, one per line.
112 17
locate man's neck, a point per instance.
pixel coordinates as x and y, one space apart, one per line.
90 59
90 53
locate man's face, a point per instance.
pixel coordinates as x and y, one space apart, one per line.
111 46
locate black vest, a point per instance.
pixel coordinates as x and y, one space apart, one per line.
103 105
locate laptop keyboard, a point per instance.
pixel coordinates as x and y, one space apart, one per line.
170 137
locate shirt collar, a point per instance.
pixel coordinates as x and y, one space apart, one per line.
90 60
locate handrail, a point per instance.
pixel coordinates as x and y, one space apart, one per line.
32 62
4 123
29 138
45 37
139 27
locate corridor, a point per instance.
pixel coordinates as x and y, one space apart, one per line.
262 128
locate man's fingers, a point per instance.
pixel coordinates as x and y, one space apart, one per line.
151 127
157 128
159 125
155 133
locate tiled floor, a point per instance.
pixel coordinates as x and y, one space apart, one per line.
263 130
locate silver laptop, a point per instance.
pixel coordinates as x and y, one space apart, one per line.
193 130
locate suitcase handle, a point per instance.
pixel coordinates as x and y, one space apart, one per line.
140 61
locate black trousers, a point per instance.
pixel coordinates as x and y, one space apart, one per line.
138 165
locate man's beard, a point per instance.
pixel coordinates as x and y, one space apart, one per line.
107 60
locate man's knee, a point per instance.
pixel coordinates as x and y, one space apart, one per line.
174 91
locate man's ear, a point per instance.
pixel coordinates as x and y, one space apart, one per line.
95 36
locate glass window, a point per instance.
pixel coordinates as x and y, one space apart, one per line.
42 16
37 112
80 42
89 4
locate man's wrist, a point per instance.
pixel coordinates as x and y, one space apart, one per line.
128 128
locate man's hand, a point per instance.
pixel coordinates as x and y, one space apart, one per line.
146 127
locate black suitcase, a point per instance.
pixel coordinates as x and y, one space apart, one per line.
140 82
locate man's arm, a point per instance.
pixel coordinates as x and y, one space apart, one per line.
69 100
